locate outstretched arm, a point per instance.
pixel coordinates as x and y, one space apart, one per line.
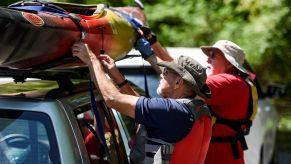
125 104
161 53
151 50
110 67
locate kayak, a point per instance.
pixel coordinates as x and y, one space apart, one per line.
36 35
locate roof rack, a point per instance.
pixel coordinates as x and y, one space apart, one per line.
63 77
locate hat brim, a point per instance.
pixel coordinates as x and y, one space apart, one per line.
207 50
173 66
204 93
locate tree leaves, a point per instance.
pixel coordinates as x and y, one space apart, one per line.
259 27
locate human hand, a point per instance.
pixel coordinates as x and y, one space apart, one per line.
83 52
148 34
110 67
144 47
107 62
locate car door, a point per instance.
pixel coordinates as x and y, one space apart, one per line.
86 124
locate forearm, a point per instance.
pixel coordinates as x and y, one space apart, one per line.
153 60
161 52
112 96
118 78
99 78
127 89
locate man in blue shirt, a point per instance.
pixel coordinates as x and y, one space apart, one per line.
168 119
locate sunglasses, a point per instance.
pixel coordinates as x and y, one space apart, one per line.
214 54
166 71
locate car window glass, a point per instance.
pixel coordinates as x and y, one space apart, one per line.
27 137
94 145
128 124
136 75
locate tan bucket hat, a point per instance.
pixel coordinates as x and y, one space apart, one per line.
232 52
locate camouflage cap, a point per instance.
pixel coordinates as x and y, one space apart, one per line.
192 72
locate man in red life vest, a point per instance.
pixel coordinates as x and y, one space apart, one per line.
233 102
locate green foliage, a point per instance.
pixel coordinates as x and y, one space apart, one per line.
261 28
7 2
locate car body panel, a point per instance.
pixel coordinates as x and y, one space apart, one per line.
71 151
263 133
62 112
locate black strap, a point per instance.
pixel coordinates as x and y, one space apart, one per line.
98 120
250 108
97 138
77 21
243 125
150 154
233 141
197 107
240 126
84 122
236 125
144 71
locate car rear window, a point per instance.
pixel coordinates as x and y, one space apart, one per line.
27 137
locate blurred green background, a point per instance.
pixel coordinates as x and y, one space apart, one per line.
261 27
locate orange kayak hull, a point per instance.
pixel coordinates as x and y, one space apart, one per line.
29 40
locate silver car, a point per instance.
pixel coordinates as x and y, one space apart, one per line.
49 120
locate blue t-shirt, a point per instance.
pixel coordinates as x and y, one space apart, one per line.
165 119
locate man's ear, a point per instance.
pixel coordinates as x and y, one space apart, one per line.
179 81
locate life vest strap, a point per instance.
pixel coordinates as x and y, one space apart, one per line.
156 147
197 107
233 141
240 126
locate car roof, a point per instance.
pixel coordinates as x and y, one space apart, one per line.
133 58
42 84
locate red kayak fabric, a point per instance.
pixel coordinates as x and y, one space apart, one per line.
193 148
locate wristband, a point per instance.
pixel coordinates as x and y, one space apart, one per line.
152 39
122 83
144 47
149 35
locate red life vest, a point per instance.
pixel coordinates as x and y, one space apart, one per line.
193 148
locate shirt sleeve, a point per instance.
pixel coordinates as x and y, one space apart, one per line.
164 117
